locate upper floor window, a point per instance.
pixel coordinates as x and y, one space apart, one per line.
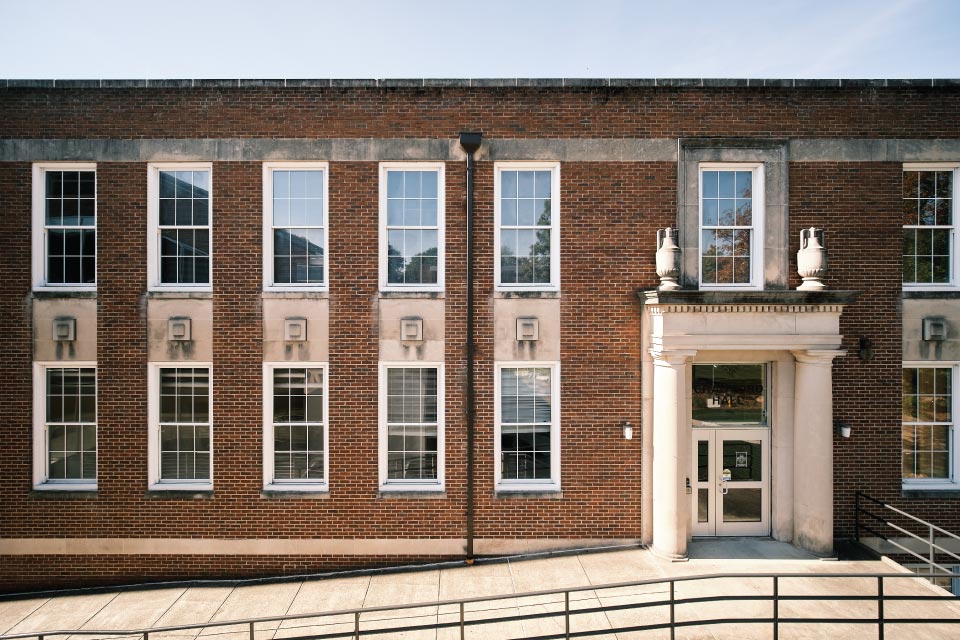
929 233
527 441
295 225
411 226
731 226
65 226
65 431
928 433
411 426
180 210
527 229
295 427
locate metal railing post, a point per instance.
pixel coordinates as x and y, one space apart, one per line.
462 630
856 516
146 635
776 608
251 631
566 614
933 553
673 614
880 607
356 625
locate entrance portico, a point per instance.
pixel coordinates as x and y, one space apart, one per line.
797 335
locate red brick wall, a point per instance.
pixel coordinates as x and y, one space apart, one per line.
858 205
503 113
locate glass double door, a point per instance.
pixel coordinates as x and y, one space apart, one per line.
731 482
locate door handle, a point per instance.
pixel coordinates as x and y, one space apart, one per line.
724 478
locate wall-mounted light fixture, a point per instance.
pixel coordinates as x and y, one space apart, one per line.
627 430
843 429
866 349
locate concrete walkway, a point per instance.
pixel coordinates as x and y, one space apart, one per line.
175 606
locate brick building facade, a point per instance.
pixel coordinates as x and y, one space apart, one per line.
311 238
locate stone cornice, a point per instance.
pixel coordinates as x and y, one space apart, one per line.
661 309
786 301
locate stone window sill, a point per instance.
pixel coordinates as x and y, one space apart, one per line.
306 294
179 494
543 495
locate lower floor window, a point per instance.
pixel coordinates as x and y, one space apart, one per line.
70 424
413 419
184 425
297 425
927 430
527 425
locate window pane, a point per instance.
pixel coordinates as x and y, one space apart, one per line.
412 415
927 399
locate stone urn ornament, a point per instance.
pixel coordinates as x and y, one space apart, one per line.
668 259
811 259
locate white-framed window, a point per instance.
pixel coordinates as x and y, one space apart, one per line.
295 223
412 203
180 215
527 226
180 440
65 426
295 433
929 226
527 438
64 226
731 225
929 438
411 443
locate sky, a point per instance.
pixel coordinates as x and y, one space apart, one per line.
58 39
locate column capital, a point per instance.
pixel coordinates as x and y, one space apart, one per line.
671 357
823 357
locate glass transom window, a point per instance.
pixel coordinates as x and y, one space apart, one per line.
928 226
927 430
727 227
729 394
298 224
413 228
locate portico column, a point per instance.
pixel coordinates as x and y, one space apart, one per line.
813 450
671 512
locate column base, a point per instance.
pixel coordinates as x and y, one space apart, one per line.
666 555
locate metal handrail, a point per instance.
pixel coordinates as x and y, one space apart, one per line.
930 541
776 620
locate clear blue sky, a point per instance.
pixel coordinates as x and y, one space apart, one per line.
480 38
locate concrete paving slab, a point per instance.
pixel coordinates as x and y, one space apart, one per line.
13 611
620 566
195 605
324 595
68 613
256 601
131 610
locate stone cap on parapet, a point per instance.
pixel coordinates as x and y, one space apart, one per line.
429 83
